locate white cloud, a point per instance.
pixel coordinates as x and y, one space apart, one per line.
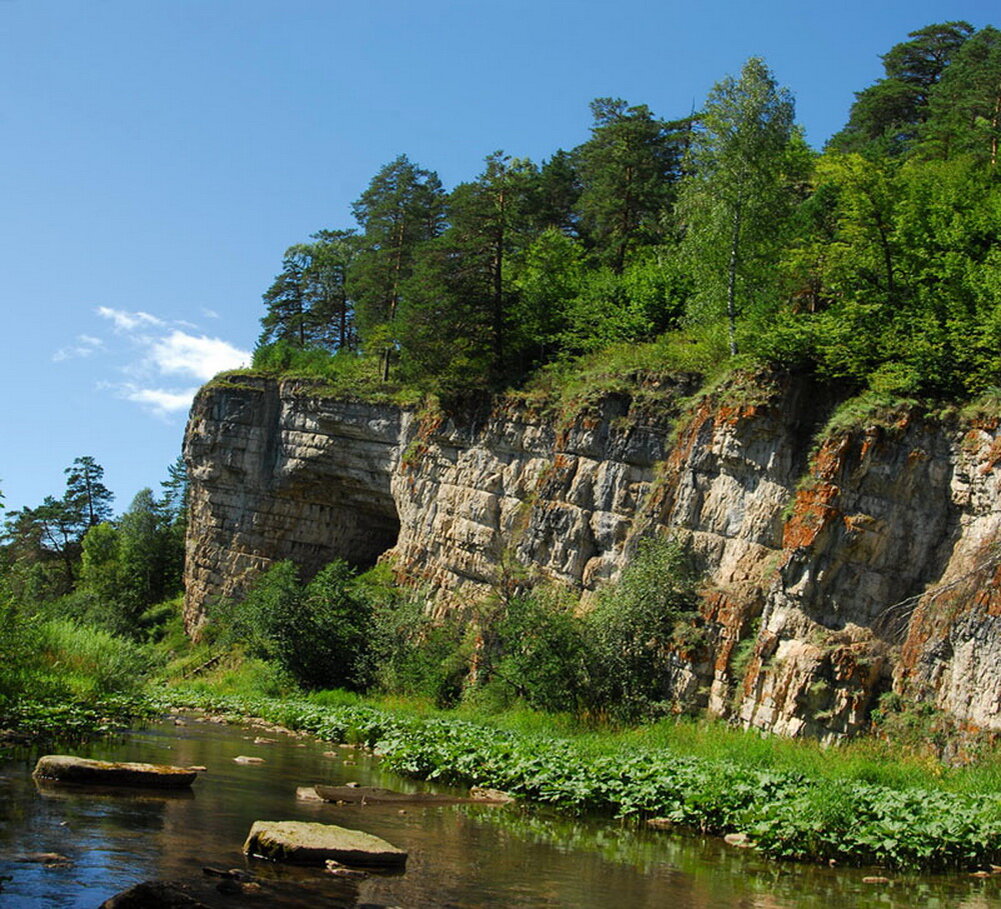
201 356
129 321
157 359
85 346
159 401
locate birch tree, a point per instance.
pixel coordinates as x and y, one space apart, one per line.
737 194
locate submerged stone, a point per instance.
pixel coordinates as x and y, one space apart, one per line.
353 794
154 895
302 843
65 768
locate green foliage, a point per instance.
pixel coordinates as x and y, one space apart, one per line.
537 649
627 169
128 567
965 106
632 627
413 652
86 495
20 653
317 632
873 265
86 662
888 116
737 196
59 678
346 373
308 302
540 654
402 208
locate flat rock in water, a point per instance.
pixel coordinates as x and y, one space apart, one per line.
482 794
372 795
301 843
245 759
64 768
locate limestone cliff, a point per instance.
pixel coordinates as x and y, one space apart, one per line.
832 573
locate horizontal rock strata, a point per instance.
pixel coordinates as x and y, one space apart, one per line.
837 568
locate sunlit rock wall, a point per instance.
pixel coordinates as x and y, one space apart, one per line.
834 569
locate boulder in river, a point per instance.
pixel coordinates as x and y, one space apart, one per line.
154 895
65 768
302 843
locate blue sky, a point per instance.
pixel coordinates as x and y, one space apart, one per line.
157 157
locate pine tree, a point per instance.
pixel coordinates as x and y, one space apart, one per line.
628 171
965 106
456 316
85 493
403 206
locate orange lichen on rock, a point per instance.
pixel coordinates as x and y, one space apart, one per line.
830 459
992 457
988 596
734 414
812 512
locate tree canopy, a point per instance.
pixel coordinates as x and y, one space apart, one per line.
874 262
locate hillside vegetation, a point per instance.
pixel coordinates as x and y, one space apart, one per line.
720 234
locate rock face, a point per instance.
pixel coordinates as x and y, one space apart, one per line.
64 768
837 567
302 843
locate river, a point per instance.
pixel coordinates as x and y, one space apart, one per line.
460 855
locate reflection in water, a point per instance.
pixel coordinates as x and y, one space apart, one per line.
460 855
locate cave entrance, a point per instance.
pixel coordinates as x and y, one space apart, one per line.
318 531
372 534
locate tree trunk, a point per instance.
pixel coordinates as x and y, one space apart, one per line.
498 288
731 282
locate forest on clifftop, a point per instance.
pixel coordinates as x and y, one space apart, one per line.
691 241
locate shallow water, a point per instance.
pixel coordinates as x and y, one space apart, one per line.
460 855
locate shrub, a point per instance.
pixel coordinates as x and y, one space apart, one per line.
317 632
20 653
542 654
632 626
414 653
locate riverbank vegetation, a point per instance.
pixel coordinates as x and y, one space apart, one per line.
523 644
750 785
84 596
